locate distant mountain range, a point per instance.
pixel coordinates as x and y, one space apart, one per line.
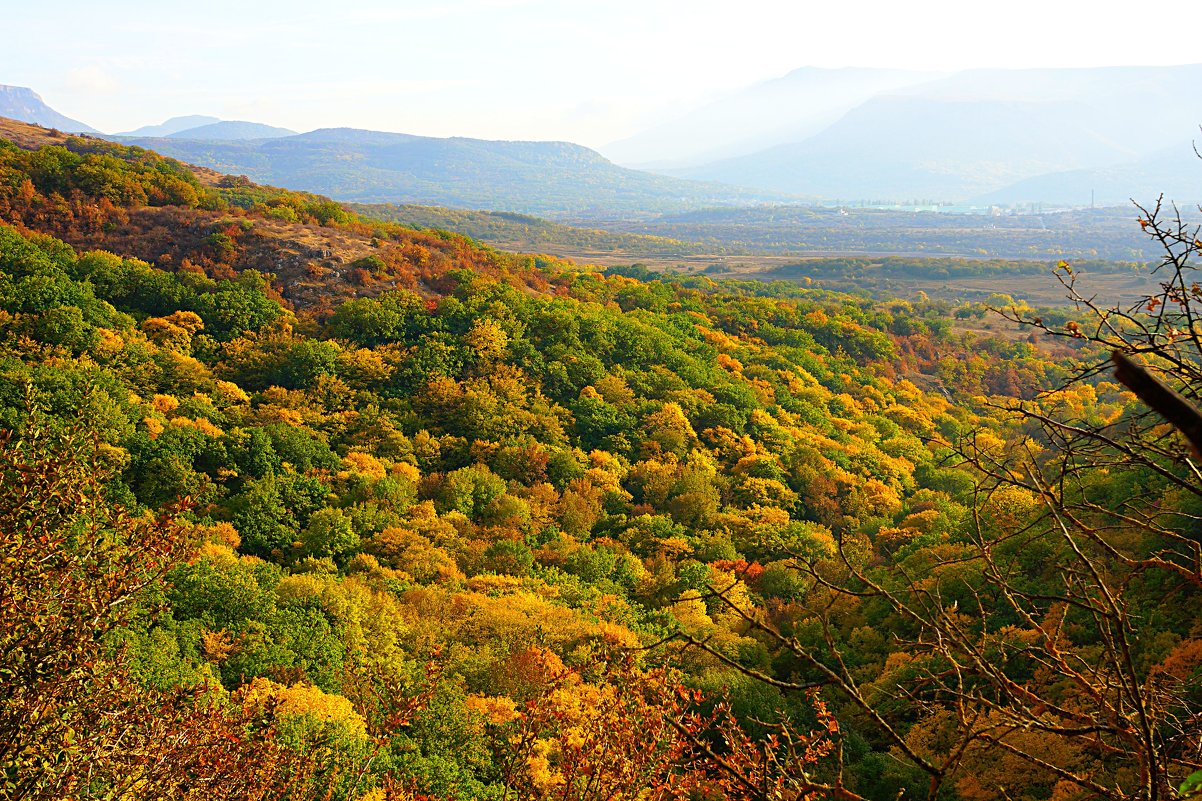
232 131
26 105
978 137
1011 136
209 129
20 103
767 114
1175 172
172 126
549 178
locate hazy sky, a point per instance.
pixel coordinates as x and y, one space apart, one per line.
590 72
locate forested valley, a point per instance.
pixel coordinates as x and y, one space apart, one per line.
297 504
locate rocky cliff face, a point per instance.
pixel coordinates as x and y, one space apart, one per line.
24 104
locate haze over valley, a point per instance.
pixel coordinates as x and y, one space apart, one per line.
978 137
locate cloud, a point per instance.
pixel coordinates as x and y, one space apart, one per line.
93 80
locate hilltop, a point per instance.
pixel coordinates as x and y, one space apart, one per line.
186 217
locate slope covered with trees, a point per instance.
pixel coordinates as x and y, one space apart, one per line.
462 524
522 232
528 177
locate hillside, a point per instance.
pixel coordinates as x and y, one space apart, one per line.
502 467
192 218
532 234
31 137
549 178
25 105
404 517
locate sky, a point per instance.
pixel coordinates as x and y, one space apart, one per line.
588 72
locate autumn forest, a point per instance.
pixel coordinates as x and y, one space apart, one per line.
302 504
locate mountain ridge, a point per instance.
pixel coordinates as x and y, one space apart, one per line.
977 132
232 130
550 178
172 125
787 108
